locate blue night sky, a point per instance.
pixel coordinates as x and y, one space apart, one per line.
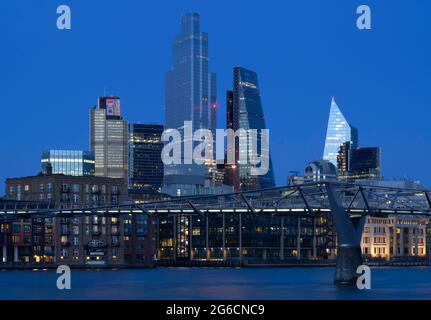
305 52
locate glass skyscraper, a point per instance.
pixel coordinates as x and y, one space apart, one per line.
68 162
247 113
145 162
190 96
339 131
365 163
109 139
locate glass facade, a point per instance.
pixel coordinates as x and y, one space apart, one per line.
339 131
109 139
69 162
365 164
145 162
248 114
343 159
190 96
237 237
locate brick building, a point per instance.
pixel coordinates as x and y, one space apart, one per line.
63 191
92 240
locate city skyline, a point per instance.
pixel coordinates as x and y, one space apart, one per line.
210 158
289 152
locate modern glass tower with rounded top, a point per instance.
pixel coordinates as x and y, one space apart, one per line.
248 115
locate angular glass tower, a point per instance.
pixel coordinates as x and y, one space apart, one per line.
339 131
248 114
190 96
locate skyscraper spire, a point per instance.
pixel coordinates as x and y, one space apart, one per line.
339 131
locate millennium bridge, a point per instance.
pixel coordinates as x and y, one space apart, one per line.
347 204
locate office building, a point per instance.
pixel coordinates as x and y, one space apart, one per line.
109 139
343 160
145 161
239 239
231 177
365 164
358 164
245 114
394 237
68 162
190 96
339 131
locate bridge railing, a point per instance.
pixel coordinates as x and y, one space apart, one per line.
309 196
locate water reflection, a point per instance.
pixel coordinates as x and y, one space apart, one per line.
208 283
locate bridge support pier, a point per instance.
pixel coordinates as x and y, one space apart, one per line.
349 254
349 258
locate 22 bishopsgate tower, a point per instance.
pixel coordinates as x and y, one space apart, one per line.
190 96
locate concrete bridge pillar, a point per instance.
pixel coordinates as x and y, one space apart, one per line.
349 256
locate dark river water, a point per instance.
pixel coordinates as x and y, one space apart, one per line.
208 283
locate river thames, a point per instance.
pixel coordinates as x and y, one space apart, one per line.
214 284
